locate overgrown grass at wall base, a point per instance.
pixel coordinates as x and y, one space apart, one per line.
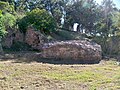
18 46
110 45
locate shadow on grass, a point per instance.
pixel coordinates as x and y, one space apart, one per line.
64 61
28 57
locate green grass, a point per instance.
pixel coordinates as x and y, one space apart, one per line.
66 35
96 77
104 76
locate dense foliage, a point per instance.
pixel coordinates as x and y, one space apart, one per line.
2 27
39 19
9 20
7 7
99 22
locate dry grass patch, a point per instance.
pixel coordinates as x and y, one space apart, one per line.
38 76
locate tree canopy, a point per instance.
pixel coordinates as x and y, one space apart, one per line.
93 20
39 19
2 27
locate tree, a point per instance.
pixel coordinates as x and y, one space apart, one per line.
108 14
7 7
118 22
107 24
39 19
2 31
55 7
85 13
7 19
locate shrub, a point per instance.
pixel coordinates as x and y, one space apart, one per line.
39 19
18 46
6 7
2 27
8 20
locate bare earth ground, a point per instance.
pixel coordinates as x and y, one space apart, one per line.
44 76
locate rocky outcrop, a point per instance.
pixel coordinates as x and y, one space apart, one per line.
8 39
80 51
34 38
11 37
18 36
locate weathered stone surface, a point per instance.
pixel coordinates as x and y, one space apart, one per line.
8 39
18 36
81 51
12 36
34 38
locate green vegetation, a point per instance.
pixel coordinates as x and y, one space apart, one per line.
9 20
55 20
2 31
7 7
2 27
39 19
100 23
104 76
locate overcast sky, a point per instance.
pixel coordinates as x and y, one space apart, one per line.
117 2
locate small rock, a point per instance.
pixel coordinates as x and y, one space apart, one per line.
22 87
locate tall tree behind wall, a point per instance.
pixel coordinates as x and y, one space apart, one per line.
84 12
54 7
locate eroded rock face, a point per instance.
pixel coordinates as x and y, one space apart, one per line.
8 39
11 37
34 38
76 50
18 36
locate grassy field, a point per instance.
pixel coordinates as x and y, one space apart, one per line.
43 76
